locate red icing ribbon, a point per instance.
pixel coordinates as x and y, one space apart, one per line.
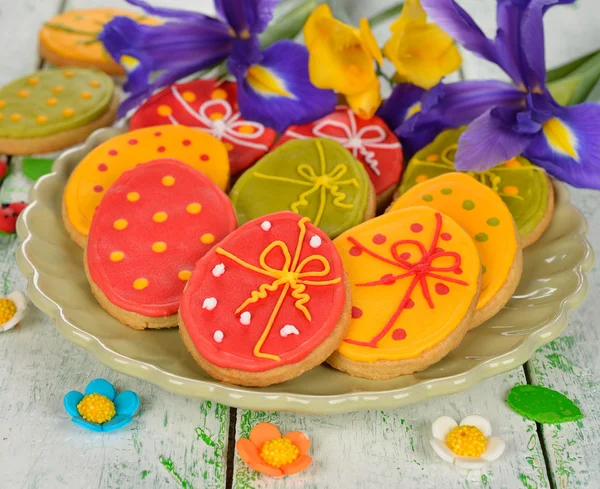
419 271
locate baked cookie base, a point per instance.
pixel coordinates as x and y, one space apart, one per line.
111 67
60 140
537 232
75 235
278 374
128 318
384 199
388 369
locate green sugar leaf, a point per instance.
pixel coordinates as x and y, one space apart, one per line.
542 405
34 168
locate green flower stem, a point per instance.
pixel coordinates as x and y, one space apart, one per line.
388 13
576 87
289 25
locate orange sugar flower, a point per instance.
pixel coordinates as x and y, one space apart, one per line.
267 452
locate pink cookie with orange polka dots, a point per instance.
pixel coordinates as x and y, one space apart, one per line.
210 105
150 229
104 165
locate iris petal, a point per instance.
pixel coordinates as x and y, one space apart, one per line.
102 387
251 16
489 141
568 147
71 400
397 108
170 13
127 403
286 64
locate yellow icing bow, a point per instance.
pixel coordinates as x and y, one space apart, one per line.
325 182
290 276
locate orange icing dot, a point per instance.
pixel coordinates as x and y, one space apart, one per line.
421 178
140 283
216 116
511 190
2 104
432 157
159 246
207 238
514 163
168 181
194 208
133 196
247 129
229 146
160 217
117 256
15 117
94 84
218 93
52 101
69 74
34 80
184 274
120 224
58 89
41 119
23 93
68 112
164 110
86 95
189 96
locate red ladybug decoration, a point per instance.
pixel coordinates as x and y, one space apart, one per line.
8 216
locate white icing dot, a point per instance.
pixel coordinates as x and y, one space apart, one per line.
245 318
209 303
218 270
265 226
288 329
315 241
218 336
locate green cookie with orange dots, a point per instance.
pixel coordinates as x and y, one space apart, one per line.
525 188
50 110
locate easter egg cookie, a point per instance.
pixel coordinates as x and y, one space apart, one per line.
53 109
209 105
71 38
101 167
481 212
524 187
370 142
268 303
149 231
316 178
415 278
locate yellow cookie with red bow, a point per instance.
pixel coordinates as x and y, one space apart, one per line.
150 229
415 279
101 167
489 222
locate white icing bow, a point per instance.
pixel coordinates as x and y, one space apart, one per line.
225 128
354 140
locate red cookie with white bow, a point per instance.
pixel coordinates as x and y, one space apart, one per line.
151 227
370 142
268 303
209 105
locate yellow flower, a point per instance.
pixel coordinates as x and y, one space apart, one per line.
341 58
421 52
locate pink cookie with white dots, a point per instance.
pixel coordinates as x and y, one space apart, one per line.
268 303
104 165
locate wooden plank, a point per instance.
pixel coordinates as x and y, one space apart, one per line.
390 449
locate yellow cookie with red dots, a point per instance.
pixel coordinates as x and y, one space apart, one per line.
483 214
150 229
415 279
100 169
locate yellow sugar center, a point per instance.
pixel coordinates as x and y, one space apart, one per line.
7 310
96 408
279 452
466 441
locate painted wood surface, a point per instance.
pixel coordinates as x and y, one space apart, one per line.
179 442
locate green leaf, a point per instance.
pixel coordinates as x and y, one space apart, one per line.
542 405
567 69
392 11
34 168
288 25
577 86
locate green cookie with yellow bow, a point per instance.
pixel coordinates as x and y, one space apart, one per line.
316 178
525 188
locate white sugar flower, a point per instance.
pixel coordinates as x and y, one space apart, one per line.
12 310
470 445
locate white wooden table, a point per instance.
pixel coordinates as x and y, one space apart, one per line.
179 442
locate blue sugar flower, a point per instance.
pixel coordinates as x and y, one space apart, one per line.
504 120
100 409
275 87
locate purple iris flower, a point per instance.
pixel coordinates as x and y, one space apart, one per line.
504 120
274 84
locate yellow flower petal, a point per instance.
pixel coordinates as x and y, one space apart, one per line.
365 104
369 40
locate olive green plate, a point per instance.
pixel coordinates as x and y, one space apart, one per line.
553 283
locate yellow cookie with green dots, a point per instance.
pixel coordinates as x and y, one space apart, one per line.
487 219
